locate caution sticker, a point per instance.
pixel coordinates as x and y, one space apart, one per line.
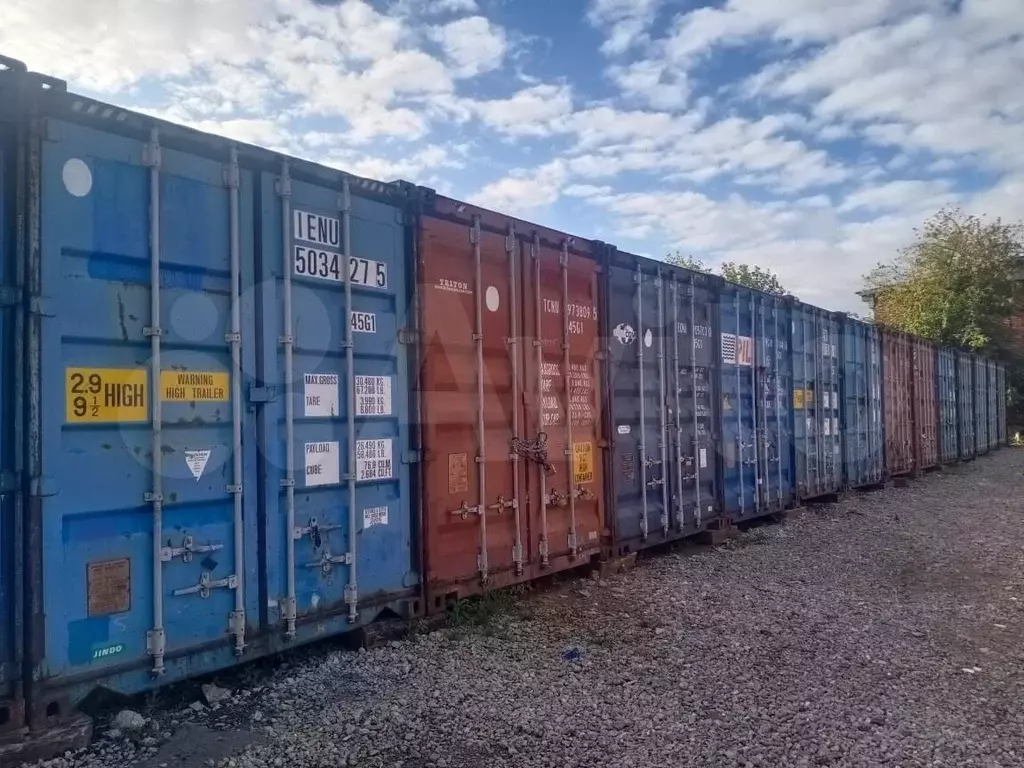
96 395
582 463
798 398
193 386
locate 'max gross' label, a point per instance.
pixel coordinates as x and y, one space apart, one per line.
193 386
95 395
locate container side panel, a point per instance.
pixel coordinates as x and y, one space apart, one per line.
10 373
323 388
863 436
980 377
693 393
634 374
948 406
1001 401
899 418
455 533
993 404
564 396
101 384
965 406
926 405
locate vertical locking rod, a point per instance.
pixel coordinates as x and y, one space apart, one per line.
352 590
662 402
643 397
284 190
513 353
478 343
567 379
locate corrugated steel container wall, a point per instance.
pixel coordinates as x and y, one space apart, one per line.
1001 401
993 404
755 410
965 405
348 383
980 376
163 479
11 380
860 352
662 379
511 372
897 380
817 444
926 403
949 443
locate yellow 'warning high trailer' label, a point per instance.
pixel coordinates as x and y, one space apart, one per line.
193 386
96 395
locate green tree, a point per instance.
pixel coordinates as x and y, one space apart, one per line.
688 262
955 284
753 277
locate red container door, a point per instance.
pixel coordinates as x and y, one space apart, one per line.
510 395
563 401
472 523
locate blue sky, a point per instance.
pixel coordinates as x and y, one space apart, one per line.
807 136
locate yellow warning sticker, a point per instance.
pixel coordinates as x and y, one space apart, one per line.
582 463
798 398
94 395
193 386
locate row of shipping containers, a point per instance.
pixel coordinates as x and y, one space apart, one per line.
249 401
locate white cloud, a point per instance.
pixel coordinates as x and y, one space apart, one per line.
473 45
900 195
626 21
652 83
524 191
530 112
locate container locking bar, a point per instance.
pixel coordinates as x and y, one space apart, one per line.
352 588
563 261
538 347
512 343
236 620
156 639
478 344
638 278
287 341
698 510
662 402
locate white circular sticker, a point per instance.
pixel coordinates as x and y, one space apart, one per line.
77 177
648 338
492 299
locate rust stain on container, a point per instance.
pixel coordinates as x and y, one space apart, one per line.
509 390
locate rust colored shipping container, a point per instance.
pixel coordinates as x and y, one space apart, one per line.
926 403
897 378
509 398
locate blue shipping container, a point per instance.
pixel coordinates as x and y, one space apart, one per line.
755 409
661 341
226 473
11 703
965 405
817 448
949 444
860 351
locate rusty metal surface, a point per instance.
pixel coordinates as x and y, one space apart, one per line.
497 343
897 386
926 403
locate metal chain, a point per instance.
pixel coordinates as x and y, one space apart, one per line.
535 450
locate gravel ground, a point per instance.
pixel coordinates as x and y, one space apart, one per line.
886 630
